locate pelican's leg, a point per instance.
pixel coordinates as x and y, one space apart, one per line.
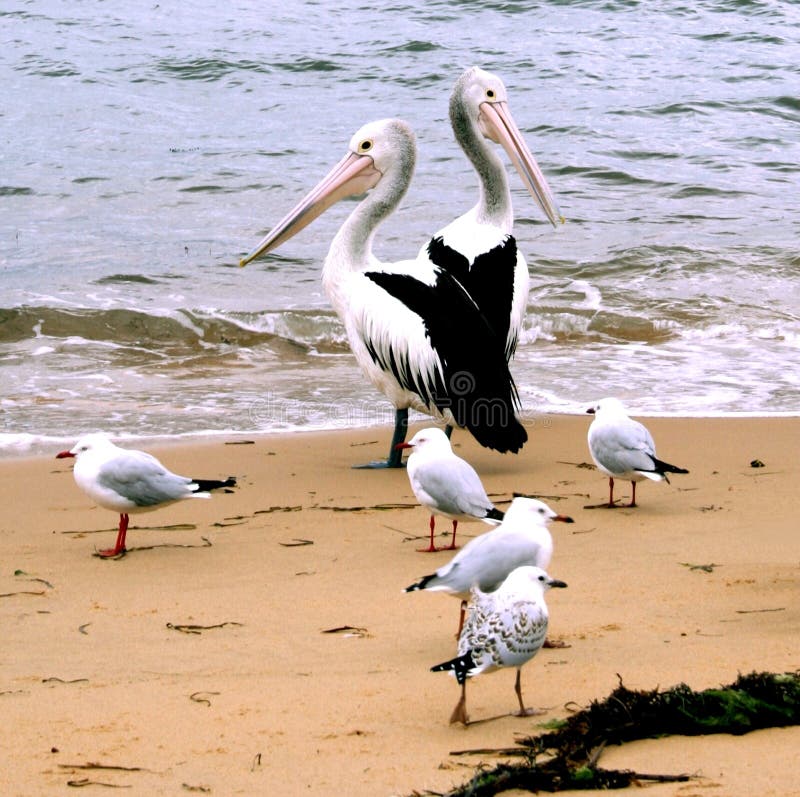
395 459
400 430
119 545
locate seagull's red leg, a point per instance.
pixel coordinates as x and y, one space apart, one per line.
119 545
633 497
431 548
610 491
453 545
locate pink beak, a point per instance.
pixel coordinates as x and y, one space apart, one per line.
353 175
498 124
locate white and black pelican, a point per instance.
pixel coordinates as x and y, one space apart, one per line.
412 327
479 248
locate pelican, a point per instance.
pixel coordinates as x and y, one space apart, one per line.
478 248
413 328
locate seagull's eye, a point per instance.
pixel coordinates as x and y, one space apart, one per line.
541 578
365 146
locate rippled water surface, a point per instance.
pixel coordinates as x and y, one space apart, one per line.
146 149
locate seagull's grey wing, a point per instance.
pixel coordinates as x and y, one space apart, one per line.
455 487
142 479
486 560
623 446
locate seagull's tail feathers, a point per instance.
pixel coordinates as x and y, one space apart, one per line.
421 584
653 475
204 485
495 515
461 666
663 468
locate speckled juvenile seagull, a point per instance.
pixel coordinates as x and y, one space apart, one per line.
623 448
504 628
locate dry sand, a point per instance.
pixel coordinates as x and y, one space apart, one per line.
95 669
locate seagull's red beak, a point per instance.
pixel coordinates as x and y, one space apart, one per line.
401 446
63 454
564 518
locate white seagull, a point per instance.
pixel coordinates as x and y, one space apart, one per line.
484 562
479 248
413 328
129 481
504 628
623 448
445 483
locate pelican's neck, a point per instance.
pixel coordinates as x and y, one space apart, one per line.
494 202
351 248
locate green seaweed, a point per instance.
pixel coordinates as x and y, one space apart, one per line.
566 758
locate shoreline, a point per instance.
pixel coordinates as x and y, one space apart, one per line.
269 692
25 445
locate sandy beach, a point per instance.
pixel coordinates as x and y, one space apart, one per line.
207 659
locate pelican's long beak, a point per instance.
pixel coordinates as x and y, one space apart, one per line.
499 125
353 175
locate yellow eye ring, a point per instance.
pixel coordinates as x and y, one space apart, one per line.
365 146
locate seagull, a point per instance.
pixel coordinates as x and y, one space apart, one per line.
623 448
484 562
445 483
504 628
479 248
522 539
129 481
413 328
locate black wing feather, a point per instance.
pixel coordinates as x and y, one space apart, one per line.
475 383
489 280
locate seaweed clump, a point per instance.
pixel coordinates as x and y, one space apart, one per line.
567 757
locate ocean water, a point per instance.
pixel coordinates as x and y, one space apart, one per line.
145 149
